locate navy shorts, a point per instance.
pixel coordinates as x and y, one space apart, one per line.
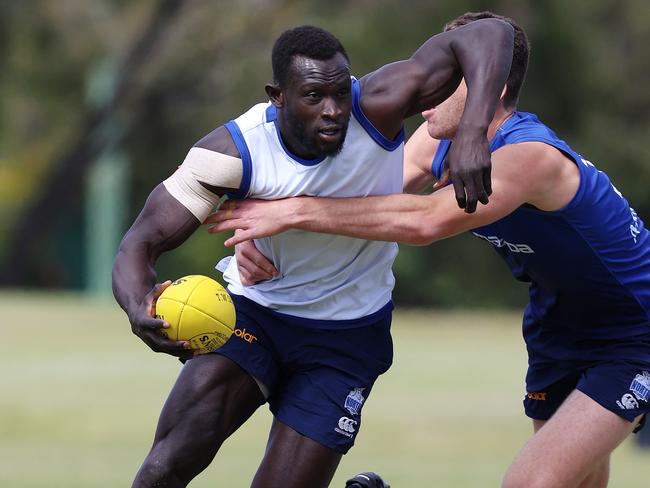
319 379
623 387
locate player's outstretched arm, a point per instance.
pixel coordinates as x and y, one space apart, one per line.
523 173
481 52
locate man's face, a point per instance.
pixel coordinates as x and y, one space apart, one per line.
317 106
443 120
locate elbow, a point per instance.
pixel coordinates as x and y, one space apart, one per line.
496 28
486 35
421 235
119 264
419 227
499 32
119 256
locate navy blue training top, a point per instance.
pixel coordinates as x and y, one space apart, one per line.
588 264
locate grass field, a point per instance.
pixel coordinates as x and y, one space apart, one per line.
80 397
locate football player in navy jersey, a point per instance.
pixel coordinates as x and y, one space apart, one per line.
561 226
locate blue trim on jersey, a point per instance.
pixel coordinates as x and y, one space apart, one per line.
240 142
378 137
271 113
272 116
438 162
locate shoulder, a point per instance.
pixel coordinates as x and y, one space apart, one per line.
526 126
548 176
535 157
379 83
385 94
220 141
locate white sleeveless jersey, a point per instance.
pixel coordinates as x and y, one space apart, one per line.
322 276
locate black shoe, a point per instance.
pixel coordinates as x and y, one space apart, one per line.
366 480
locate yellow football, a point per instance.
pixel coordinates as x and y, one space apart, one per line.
199 310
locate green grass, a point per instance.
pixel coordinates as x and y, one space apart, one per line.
80 396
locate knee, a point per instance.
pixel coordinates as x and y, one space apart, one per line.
511 481
542 476
158 472
166 466
537 479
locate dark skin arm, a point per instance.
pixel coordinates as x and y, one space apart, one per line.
163 224
481 52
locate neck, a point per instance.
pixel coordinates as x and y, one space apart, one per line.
291 143
500 116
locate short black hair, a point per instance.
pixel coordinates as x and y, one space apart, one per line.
520 54
306 40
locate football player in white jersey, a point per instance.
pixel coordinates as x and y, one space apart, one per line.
315 373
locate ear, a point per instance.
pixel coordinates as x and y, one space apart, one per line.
275 94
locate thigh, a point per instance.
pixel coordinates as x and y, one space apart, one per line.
295 461
329 377
598 476
210 400
562 453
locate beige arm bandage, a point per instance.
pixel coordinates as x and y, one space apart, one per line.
208 167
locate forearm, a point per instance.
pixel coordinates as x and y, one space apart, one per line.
133 275
162 225
484 54
410 219
400 218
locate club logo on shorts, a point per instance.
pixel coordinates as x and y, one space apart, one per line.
627 402
641 386
346 427
354 400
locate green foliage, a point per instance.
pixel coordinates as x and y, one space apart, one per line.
587 80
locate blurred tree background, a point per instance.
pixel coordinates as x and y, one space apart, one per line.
108 95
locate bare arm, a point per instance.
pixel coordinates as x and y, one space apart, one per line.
481 52
524 173
163 224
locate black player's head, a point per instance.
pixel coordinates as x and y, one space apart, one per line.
305 41
311 91
519 56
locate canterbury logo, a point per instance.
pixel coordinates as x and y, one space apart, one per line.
247 336
627 402
347 424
